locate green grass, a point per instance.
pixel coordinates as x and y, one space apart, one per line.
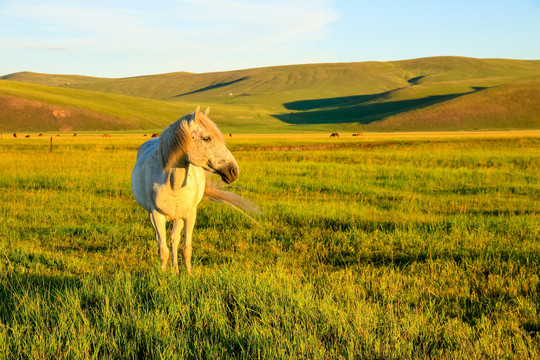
429 94
402 248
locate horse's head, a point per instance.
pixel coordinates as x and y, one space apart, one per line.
208 148
197 140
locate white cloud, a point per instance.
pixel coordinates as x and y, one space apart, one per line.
252 33
192 35
48 48
292 17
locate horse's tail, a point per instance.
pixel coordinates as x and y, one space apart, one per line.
213 193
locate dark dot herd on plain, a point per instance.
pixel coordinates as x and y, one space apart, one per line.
75 134
337 134
157 135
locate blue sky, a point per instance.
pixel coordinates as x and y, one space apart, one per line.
119 38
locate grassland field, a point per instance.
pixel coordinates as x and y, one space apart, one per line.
388 246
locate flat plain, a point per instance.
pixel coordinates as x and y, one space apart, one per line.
378 246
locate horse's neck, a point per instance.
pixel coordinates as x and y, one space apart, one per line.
181 163
178 176
180 193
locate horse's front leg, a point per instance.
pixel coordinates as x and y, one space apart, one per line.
175 241
187 249
159 221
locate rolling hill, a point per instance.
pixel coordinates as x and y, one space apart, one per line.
439 93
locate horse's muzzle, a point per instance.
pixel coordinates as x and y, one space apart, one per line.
230 174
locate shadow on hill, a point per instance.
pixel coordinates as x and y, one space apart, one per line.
363 109
215 86
307 105
415 80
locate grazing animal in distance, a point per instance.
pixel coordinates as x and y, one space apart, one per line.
106 135
14 135
27 136
155 135
334 135
169 180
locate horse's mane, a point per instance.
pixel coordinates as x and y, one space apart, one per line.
176 141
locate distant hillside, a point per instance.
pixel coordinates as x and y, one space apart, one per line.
399 95
49 79
23 114
30 107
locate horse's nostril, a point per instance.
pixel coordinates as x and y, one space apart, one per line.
234 172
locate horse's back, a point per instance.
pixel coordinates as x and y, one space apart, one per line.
147 148
143 165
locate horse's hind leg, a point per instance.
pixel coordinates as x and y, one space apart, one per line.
175 241
159 221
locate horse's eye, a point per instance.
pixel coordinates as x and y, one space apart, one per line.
207 138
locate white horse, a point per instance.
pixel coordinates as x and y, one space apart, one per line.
169 179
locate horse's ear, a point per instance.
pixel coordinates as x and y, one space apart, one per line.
197 113
207 112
